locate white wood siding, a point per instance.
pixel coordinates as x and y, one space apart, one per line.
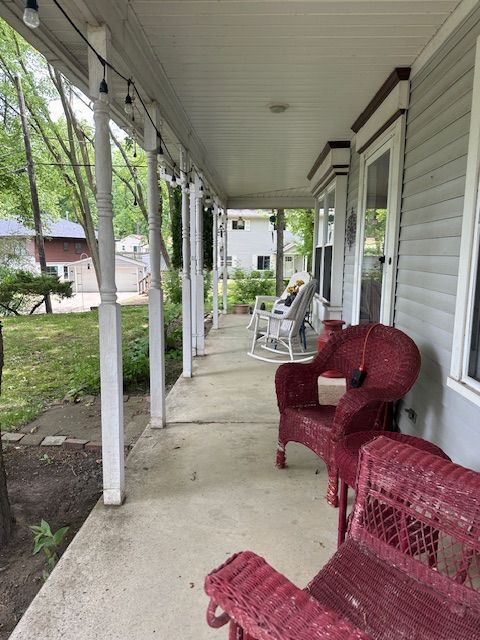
432 203
352 197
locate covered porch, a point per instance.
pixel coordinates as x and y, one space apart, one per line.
198 491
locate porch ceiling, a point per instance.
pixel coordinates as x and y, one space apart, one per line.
214 66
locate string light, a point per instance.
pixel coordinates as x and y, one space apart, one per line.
31 18
173 182
30 14
129 102
103 88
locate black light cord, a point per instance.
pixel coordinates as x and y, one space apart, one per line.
105 63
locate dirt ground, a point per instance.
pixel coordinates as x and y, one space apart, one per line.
62 489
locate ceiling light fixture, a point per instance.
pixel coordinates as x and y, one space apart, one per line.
278 107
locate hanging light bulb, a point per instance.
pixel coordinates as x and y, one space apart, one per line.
160 156
30 14
103 91
128 103
173 182
208 199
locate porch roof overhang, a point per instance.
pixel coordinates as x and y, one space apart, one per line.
214 68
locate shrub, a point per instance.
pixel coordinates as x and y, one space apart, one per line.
172 286
248 285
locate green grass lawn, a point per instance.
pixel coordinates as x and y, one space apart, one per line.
48 357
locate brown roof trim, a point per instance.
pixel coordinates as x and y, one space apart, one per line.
331 144
397 75
383 128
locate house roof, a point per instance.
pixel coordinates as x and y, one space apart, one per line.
13 227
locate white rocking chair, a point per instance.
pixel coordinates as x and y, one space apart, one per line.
260 300
283 326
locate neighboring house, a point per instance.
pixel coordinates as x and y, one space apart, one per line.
64 243
252 243
128 274
132 245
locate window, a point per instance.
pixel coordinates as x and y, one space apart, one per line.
465 364
135 248
65 273
78 247
52 271
66 246
325 241
229 261
240 225
378 214
263 263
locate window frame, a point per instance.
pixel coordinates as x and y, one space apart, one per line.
264 268
338 186
459 380
393 140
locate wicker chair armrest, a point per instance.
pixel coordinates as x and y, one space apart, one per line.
351 403
265 315
268 606
266 299
297 383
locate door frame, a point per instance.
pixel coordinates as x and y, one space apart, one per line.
393 140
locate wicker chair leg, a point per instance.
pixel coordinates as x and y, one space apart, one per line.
332 489
281 455
342 513
235 632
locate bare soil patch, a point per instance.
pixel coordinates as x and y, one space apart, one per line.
62 489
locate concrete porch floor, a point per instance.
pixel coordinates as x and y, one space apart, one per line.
197 491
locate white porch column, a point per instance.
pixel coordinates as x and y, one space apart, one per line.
156 332
225 267
199 283
193 259
111 375
215 268
186 279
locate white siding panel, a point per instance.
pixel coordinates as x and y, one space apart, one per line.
434 184
352 197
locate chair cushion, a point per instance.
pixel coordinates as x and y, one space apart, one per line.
386 603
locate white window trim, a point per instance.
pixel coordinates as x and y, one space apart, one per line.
459 380
392 139
339 185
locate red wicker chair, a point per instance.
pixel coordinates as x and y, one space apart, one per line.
380 585
391 361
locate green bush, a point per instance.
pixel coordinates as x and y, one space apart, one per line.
247 285
172 286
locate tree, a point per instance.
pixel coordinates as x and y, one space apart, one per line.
280 224
37 221
64 145
301 223
24 291
175 205
6 518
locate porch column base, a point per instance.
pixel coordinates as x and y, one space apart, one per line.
215 299
157 358
200 329
187 327
111 378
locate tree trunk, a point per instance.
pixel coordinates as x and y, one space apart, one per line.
33 187
279 286
6 519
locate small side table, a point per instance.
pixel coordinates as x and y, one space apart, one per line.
346 458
